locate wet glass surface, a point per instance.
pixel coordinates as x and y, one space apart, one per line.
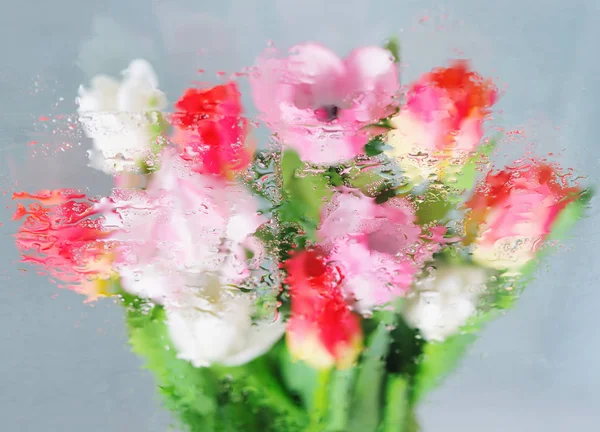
66 365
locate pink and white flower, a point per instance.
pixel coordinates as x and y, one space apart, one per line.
185 222
318 104
512 212
183 244
441 122
379 248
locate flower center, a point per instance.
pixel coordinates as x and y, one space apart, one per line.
328 113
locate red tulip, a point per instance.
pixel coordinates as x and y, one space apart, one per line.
322 330
210 129
62 238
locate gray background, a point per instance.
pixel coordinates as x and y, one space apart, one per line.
65 366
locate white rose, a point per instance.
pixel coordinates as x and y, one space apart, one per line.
443 302
119 117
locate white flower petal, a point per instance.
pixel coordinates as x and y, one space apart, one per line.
225 336
442 303
118 117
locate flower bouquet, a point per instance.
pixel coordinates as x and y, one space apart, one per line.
325 280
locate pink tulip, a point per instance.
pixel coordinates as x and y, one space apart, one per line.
513 210
442 119
184 225
61 234
379 248
318 104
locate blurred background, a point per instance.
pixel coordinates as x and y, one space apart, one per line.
65 365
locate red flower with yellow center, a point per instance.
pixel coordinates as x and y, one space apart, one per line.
322 330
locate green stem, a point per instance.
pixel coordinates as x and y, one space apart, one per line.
366 401
395 416
320 400
277 393
340 391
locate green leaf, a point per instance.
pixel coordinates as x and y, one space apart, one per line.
413 422
437 361
334 177
305 194
405 350
393 46
247 397
298 377
375 147
463 178
158 126
385 195
318 412
434 205
369 182
264 393
189 392
572 213
366 403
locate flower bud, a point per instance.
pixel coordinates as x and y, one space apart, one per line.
513 211
322 330
441 122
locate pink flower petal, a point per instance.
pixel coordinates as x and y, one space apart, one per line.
371 81
317 74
